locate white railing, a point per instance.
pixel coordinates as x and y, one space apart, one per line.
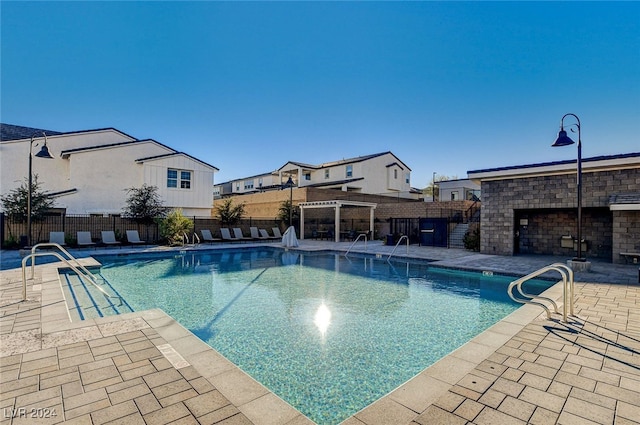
567 290
357 239
395 247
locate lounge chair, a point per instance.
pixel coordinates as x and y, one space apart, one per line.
134 238
237 233
255 234
226 235
266 235
57 237
109 238
208 237
84 239
276 232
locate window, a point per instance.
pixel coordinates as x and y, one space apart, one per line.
307 176
395 174
349 172
178 179
407 178
455 195
248 184
260 182
326 173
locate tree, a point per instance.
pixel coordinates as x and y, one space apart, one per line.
283 212
15 203
174 226
228 213
144 205
429 190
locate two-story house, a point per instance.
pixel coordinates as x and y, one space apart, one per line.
380 174
91 170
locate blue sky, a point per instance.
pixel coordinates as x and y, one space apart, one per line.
446 86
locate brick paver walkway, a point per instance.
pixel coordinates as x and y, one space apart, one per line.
144 368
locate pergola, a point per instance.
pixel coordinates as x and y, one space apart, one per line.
336 205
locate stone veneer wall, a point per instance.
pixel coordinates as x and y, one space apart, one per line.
554 199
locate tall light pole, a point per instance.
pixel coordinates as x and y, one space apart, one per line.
44 153
564 140
433 188
290 184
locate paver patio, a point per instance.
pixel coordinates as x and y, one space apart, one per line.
144 367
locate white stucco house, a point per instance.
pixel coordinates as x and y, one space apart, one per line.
91 170
458 190
380 174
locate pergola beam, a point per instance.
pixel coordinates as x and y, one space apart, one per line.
337 204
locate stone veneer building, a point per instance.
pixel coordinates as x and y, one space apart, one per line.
532 209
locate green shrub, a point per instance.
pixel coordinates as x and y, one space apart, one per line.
471 240
174 226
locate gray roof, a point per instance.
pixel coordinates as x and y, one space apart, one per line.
546 164
18 132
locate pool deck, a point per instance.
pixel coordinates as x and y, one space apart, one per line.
144 367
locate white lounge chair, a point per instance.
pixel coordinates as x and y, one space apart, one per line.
266 235
109 238
84 239
237 233
255 234
208 237
276 232
57 237
133 237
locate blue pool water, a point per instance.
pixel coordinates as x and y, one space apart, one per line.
328 334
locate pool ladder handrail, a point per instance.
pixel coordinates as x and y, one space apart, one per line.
82 272
395 247
357 239
567 290
185 238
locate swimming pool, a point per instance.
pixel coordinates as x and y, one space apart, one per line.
326 333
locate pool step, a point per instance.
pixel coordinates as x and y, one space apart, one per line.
85 301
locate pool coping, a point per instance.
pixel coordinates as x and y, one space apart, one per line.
407 401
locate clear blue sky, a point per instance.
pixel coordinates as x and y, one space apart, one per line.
446 86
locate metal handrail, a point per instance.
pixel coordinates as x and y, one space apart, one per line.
64 251
567 290
195 236
32 256
357 239
395 247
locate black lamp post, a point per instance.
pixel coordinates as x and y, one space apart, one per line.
564 140
44 153
290 184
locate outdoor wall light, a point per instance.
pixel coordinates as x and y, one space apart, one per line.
44 153
564 140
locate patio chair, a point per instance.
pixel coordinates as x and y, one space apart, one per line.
134 238
276 232
109 238
266 235
84 239
208 237
57 237
237 233
226 235
255 234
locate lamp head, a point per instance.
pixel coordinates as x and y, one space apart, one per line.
290 181
44 152
563 139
